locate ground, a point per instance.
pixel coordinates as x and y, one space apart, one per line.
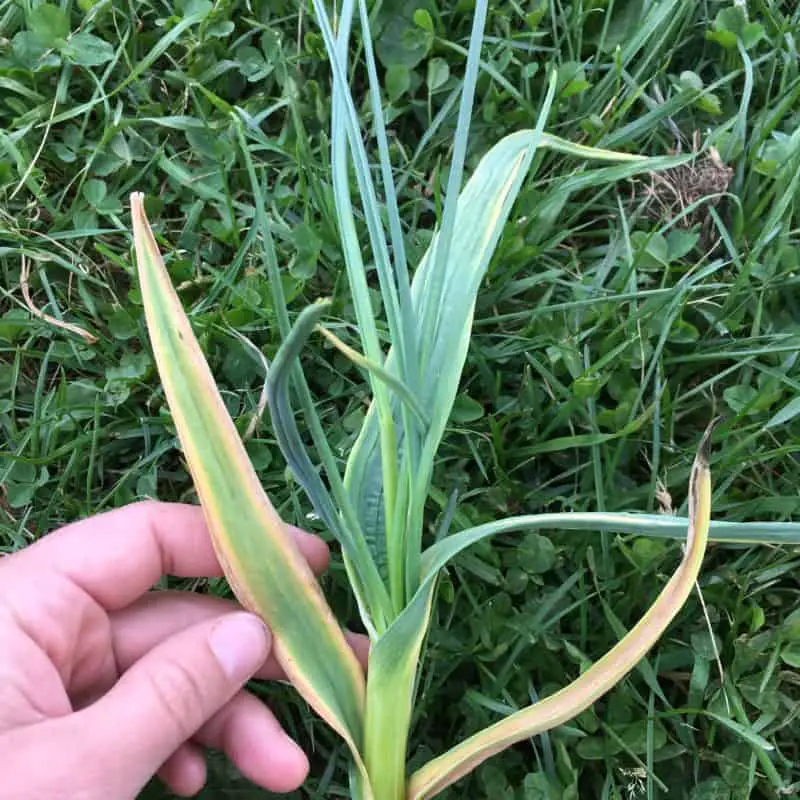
613 324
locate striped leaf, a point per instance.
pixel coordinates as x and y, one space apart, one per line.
603 675
483 209
262 564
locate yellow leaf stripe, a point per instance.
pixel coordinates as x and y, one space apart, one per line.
264 567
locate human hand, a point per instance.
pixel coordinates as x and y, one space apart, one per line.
104 684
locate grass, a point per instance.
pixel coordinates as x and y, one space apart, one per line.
607 334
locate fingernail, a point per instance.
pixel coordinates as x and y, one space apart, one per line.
240 643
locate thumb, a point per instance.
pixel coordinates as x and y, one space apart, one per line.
163 699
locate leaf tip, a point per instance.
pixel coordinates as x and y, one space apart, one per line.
137 203
704 448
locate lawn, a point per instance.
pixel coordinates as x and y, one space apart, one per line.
612 325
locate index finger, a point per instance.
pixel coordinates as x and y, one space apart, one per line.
117 556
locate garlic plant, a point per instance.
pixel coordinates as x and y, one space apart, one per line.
376 506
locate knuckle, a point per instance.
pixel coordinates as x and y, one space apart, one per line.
150 514
179 694
147 508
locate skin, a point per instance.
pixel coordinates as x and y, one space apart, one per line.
105 683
